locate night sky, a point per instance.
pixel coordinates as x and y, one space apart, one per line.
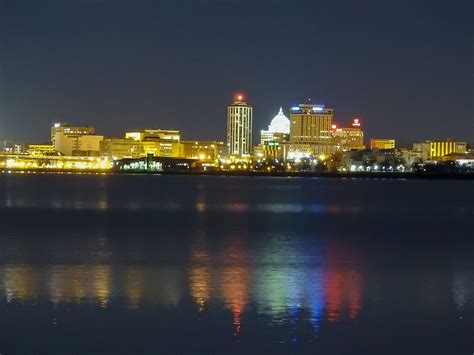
405 67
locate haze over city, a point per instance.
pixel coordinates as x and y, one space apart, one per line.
404 67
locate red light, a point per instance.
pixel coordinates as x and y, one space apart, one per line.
239 97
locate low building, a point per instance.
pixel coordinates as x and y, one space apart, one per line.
300 151
40 149
382 143
202 150
432 150
120 148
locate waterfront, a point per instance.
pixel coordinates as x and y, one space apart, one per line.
206 264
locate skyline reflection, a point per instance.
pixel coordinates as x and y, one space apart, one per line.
280 278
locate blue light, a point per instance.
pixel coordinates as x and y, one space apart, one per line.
318 108
295 108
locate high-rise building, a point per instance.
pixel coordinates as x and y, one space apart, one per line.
239 127
310 124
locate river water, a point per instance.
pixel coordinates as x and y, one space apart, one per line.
102 264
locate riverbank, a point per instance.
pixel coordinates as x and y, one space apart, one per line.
347 175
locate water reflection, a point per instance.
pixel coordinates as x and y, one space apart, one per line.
282 277
235 277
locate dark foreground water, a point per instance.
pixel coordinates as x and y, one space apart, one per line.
188 264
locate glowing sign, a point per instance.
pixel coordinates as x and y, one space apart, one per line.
318 108
295 108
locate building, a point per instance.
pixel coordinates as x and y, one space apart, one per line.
40 149
157 142
310 124
278 129
160 135
202 150
431 150
120 148
79 141
381 143
65 129
349 138
239 127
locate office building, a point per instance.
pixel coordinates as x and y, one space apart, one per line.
382 143
349 138
239 127
431 150
310 124
71 140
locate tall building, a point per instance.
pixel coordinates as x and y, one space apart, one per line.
310 132
239 127
310 124
436 149
382 143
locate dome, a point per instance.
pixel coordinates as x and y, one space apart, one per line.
280 123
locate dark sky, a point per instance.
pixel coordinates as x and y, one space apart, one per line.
406 67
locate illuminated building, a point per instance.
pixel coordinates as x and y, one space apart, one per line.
120 148
70 163
349 138
202 150
381 143
431 150
40 149
310 131
310 124
239 127
70 140
159 135
158 142
278 129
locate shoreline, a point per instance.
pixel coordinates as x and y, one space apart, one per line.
348 175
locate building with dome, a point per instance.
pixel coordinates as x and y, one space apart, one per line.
278 129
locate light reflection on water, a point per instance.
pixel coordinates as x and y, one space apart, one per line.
257 261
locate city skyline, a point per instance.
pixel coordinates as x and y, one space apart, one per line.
62 64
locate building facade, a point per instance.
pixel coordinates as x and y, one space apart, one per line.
349 138
239 127
382 143
431 150
278 129
310 124
79 141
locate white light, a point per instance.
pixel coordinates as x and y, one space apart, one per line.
295 108
319 109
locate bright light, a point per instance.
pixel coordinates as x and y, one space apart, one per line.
295 108
56 125
318 108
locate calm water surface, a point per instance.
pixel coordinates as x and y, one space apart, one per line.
188 264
